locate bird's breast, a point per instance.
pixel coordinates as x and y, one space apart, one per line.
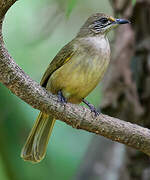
80 75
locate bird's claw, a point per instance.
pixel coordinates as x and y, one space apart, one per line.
92 108
61 98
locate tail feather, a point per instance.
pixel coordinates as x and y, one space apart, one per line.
35 147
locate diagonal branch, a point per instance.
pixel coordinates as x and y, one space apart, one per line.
15 79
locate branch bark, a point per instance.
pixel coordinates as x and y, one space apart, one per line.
15 79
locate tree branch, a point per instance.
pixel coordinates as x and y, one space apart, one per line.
15 79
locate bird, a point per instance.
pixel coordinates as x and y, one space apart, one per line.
73 73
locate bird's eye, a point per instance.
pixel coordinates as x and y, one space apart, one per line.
103 20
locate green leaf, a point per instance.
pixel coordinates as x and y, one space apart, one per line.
71 5
133 2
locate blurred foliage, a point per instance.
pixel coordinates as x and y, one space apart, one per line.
34 31
71 5
133 2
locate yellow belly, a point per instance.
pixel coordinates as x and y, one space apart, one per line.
78 77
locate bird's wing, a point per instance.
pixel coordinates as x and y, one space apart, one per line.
63 56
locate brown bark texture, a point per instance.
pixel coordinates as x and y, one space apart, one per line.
14 78
127 87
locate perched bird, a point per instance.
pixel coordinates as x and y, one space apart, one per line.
74 72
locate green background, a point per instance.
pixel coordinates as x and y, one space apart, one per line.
34 31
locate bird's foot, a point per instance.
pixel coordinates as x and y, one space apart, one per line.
61 98
92 108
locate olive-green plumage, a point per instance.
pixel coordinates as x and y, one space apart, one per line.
76 70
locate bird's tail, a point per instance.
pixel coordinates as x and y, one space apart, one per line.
35 147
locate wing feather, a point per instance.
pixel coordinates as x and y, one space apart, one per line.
63 56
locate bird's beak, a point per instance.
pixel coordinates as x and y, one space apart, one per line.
121 21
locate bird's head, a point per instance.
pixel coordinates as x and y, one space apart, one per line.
100 23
